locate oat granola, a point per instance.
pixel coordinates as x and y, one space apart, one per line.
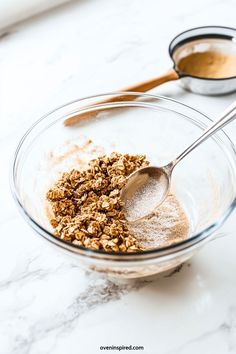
87 207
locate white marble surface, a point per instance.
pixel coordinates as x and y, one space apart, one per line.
14 11
47 304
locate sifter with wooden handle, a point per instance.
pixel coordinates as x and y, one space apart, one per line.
208 38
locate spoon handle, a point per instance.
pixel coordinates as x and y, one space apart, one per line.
226 117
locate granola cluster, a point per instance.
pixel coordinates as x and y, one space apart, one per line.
87 207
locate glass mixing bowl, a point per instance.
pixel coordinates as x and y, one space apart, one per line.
161 128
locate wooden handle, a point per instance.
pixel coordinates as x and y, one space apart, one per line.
140 87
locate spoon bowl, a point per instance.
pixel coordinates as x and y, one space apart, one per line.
144 190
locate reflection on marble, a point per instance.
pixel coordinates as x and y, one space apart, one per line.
47 303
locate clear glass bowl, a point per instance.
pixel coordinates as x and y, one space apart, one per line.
161 128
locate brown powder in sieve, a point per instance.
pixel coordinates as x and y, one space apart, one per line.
210 64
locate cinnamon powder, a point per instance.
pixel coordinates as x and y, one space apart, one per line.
209 64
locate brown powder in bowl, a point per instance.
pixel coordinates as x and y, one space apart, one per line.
87 209
210 64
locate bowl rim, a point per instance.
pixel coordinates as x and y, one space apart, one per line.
115 256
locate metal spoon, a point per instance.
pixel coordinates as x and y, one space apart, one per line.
147 187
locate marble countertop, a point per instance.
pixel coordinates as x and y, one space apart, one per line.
47 303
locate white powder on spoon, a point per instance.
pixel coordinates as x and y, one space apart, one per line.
144 198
